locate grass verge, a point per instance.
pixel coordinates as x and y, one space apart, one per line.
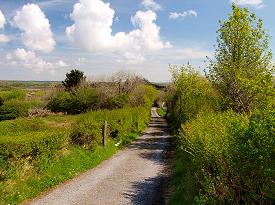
28 184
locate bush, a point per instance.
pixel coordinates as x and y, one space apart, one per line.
88 130
7 113
143 95
40 148
81 101
189 95
116 102
227 159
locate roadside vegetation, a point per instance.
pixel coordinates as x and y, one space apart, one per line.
224 121
58 134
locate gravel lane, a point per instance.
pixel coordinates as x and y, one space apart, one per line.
134 175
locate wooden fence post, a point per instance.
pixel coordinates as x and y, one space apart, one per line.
104 133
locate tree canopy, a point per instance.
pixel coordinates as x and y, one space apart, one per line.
242 69
73 79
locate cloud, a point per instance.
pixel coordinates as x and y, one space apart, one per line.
4 38
129 58
2 20
151 5
37 34
189 13
51 3
256 3
92 30
30 60
181 54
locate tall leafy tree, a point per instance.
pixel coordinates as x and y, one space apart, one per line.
242 69
73 79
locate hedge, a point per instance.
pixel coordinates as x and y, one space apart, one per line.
88 129
227 158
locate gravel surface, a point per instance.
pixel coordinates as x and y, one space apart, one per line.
134 175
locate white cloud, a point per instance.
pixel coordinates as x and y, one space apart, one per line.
92 30
131 58
37 34
51 3
151 4
30 60
4 38
189 13
181 54
256 3
2 20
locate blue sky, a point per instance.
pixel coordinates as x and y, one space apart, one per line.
42 40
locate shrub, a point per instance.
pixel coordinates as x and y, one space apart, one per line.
59 102
7 113
40 148
20 106
87 98
227 159
116 102
81 101
189 94
143 95
88 130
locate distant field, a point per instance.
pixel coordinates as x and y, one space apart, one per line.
28 84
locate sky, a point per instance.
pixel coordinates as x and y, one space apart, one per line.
42 40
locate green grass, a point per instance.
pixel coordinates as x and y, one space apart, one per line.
161 112
27 183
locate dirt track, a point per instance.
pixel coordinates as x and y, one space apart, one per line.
134 175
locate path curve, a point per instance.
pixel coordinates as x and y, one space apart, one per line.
134 175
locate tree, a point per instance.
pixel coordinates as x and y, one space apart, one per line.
242 69
73 79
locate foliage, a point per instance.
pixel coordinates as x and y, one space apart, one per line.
161 112
143 95
38 153
1 101
16 104
242 69
40 148
26 183
85 98
73 79
189 94
229 159
116 102
12 93
7 113
81 101
88 129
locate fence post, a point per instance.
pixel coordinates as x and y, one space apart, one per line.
104 133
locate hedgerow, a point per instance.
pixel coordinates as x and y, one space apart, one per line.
226 153
35 147
88 129
229 159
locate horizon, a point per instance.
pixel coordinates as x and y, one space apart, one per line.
42 40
